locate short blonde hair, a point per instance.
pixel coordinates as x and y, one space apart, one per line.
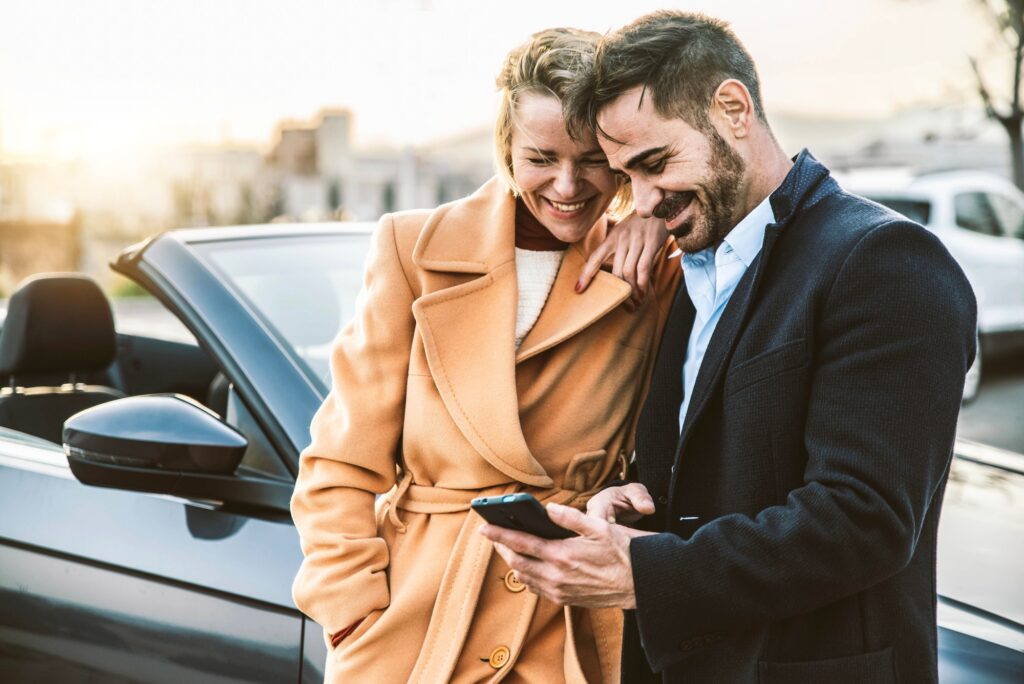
547 64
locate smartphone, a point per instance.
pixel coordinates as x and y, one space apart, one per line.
520 512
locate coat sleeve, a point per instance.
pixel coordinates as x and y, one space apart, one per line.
895 337
356 435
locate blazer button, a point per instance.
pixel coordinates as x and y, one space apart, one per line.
499 657
512 583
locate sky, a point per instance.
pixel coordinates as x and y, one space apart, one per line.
91 78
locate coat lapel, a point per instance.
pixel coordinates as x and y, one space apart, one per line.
723 340
468 328
566 313
807 182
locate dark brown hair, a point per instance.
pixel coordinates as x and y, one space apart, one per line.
679 58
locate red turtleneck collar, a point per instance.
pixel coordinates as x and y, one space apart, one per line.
531 233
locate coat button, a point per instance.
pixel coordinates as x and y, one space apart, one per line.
663 500
512 583
499 657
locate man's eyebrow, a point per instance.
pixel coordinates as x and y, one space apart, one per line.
643 156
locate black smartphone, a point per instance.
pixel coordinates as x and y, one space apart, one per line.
520 512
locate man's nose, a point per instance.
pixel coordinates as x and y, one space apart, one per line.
567 182
645 198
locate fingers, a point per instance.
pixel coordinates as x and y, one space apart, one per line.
577 521
618 262
639 498
594 263
519 542
602 507
644 266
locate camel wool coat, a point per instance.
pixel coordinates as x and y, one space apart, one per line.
432 406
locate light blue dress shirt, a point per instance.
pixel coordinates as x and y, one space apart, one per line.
711 276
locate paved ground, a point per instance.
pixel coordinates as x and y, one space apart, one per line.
996 417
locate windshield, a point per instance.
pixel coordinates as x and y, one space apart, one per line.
303 287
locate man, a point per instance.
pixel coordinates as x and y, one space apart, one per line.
793 448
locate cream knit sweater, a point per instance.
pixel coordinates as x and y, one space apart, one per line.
536 273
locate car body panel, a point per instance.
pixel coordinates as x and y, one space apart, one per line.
105 582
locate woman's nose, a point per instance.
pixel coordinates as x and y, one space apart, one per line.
567 182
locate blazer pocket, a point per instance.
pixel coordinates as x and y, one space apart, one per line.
876 667
766 364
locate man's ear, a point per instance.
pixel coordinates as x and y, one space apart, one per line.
733 108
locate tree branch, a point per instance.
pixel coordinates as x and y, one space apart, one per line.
986 99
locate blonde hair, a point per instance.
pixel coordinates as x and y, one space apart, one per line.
547 64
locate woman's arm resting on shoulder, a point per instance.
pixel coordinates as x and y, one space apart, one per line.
355 437
631 245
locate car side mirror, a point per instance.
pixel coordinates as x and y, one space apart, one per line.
160 431
167 444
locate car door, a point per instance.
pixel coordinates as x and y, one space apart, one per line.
994 262
107 585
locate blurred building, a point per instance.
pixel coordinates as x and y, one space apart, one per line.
322 174
315 170
922 139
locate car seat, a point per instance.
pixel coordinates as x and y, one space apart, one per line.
58 325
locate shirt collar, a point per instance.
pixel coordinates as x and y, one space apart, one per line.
748 235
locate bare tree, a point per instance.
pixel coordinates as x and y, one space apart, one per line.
1008 17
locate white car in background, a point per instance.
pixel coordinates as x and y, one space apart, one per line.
980 218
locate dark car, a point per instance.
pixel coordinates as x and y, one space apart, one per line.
155 543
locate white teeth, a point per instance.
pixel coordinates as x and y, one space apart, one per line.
567 207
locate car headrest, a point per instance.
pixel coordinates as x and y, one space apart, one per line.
57 323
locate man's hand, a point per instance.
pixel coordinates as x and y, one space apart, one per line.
625 504
592 570
631 246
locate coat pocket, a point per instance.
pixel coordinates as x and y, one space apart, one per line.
766 364
364 627
876 667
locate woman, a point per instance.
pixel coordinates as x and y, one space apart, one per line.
473 368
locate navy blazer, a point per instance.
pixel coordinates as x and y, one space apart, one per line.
797 512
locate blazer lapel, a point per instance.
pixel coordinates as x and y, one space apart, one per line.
566 313
468 329
723 340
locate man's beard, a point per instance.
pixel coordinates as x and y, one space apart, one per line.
718 213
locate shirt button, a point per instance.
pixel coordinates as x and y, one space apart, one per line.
499 657
513 583
663 500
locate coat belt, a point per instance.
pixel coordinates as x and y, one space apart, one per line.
459 593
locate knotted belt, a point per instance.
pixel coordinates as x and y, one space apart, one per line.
461 584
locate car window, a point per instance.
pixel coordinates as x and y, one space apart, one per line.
916 210
1010 215
974 213
303 287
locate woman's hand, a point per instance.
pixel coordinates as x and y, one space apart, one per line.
630 247
625 504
